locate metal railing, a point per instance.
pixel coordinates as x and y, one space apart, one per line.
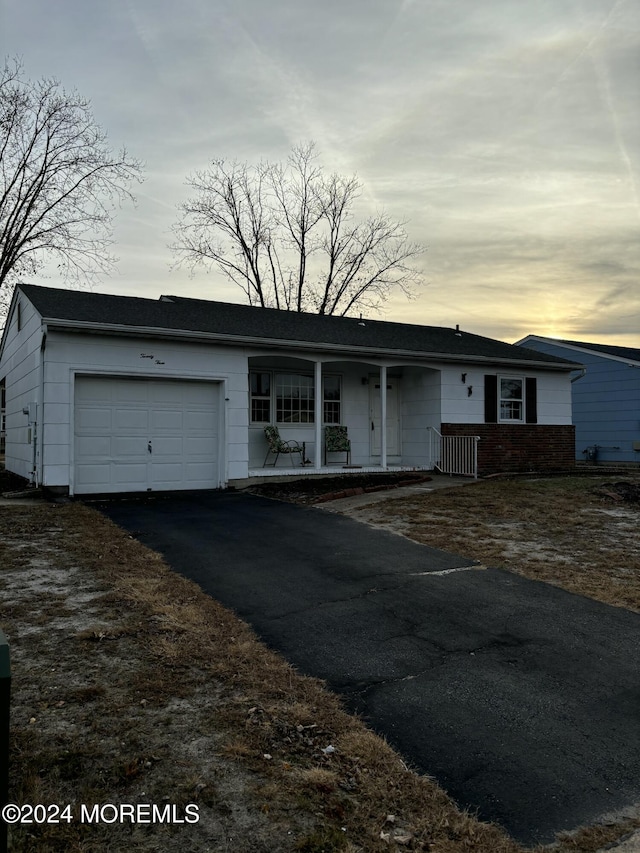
454 454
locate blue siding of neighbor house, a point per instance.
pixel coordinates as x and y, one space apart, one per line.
606 403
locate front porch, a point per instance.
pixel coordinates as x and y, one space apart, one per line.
385 410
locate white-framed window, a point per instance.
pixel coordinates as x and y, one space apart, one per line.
289 398
260 392
511 398
295 398
331 400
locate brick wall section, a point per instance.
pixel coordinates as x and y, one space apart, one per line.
519 447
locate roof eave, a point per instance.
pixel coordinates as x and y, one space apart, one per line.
253 341
584 348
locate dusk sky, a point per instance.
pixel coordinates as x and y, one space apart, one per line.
506 132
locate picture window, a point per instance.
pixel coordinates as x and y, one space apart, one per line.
289 398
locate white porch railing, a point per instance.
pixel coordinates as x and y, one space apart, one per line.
454 454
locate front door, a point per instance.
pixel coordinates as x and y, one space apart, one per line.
393 415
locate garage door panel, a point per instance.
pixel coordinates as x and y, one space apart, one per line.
133 474
116 418
166 419
201 447
94 419
92 393
198 394
169 472
200 420
93 475
199 472
129 445
127 390
167 446
171 393
95 446
127 419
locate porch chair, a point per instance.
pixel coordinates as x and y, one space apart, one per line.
336 440
278 445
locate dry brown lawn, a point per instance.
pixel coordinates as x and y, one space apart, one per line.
132 686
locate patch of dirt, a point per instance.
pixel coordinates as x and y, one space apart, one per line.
622 491
308 490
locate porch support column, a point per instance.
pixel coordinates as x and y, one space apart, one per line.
383 416
318 415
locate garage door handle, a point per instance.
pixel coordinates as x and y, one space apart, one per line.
149 448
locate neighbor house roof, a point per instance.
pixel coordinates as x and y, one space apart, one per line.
624 353
207 320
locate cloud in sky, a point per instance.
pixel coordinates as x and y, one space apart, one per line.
508 134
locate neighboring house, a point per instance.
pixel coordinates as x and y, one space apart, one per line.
606 399
115 394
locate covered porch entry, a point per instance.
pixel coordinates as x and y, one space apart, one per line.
386 409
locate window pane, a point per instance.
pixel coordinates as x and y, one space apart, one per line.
511 389
260 389
294 398
331 412
260 384
331 399
332 388
260 411
511 399
511 410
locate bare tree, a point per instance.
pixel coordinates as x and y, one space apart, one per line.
59 181
287 235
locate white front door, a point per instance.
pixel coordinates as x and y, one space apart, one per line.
393 415
135 435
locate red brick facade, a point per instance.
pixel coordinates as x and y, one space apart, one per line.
519 447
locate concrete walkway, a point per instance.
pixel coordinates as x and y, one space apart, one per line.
437 481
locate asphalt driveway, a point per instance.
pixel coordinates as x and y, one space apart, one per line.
522 700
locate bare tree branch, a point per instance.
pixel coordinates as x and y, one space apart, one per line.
59 180
285 233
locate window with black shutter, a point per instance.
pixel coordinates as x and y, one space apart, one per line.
510 399
490 399
531 400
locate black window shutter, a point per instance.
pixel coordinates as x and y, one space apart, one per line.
490 399
531 400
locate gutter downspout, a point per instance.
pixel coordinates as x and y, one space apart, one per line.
581 375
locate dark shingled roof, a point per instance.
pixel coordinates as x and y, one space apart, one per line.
242 322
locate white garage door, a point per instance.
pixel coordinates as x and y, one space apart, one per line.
136 435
